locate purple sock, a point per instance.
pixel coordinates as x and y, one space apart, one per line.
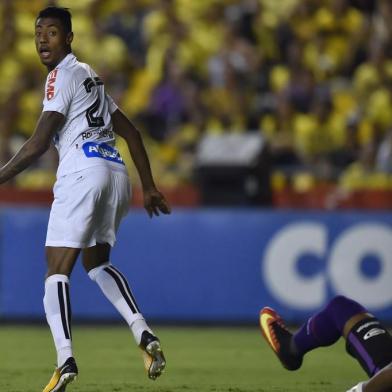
326 327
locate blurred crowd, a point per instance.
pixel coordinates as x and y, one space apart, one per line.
314 77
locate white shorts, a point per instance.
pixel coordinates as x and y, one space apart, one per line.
88 207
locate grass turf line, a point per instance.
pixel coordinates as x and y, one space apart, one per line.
198 360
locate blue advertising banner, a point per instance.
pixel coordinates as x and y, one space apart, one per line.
213 265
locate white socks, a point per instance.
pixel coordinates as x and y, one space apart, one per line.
58 307
58 314
138 327
116 289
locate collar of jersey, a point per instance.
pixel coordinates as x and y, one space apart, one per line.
70 57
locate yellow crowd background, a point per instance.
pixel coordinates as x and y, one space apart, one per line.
313 76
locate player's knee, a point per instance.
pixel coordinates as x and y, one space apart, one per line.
54 269
342 302
61 260
343 309
339 301
93 273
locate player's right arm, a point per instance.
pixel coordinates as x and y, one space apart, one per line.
34 147
154 201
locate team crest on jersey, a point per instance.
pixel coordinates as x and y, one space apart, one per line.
102 150
50 85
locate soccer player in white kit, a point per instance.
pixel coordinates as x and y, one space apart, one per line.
92 191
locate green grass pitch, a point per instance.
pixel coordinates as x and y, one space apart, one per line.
198 360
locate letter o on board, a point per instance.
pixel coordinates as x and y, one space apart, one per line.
279 265
345 262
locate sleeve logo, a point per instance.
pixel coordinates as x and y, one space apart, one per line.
50 85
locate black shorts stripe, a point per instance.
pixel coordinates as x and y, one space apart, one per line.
127 286
122 287
62 309
69 310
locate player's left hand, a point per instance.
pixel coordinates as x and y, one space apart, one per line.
155 202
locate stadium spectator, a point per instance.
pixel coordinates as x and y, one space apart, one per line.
167 102
127 23
381 20
367 340
384 154
254 64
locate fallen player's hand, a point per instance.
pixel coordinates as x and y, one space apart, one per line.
358 387
155 202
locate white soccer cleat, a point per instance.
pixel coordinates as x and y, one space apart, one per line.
154 360
62 376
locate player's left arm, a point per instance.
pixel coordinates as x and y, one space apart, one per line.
154 201
34 147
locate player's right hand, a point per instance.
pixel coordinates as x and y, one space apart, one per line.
358 387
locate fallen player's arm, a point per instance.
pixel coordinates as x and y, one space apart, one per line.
381 382
34 147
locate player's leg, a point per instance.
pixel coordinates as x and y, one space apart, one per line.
322 329
70 228
60 260
327 326
57 306
115 287
369 342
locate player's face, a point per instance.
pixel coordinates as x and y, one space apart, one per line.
51 42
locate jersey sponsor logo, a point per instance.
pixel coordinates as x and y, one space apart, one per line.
50 85
373 332
101 134
102 150
86 135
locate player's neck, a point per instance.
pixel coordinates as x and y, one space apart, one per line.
51 67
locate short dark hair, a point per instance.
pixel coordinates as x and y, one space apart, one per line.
62 14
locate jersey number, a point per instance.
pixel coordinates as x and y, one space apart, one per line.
93 121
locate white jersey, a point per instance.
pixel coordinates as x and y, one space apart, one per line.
86 138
